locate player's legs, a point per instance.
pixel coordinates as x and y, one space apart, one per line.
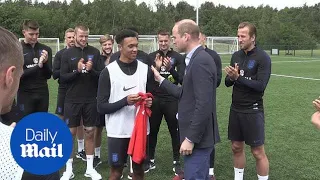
89 117
253 126
137 169
81 154
72 119
117 156
235 134
170 110
155 122
98 138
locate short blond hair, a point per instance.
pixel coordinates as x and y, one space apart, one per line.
105 38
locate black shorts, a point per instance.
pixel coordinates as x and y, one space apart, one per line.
248 127
101 122
118 152
60 101
31 102
75 111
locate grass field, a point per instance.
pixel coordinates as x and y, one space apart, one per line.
292 143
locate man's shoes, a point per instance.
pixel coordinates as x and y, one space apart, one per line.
93 174
176 167
152 164
96 162
212 177
67 175
149 165
81 155
180 176
130 175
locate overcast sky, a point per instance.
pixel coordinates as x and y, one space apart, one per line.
279 4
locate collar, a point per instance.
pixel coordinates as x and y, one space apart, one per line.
27 44
122 64
189 55
252 51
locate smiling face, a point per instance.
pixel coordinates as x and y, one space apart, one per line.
107 47
69 38
164 42
129 48
246 38
82 37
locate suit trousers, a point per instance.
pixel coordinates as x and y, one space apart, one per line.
196 165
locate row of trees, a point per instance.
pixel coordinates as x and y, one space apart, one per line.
289 26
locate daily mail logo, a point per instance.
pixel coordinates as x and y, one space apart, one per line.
39 140
33 150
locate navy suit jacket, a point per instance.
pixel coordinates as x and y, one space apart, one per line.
197 99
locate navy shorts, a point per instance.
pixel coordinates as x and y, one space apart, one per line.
248 127
74 112
118 153
60 101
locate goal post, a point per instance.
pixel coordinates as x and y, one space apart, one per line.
223 45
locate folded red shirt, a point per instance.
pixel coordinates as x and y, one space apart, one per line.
138 141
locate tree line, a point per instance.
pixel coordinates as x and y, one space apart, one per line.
297 26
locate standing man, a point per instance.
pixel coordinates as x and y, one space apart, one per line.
141 56
217 61
11 69
79 69
197 100
69 40
33 93
106 43
119 85
249 74
165 104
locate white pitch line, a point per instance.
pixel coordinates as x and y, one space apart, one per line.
290 61
295 77
295 61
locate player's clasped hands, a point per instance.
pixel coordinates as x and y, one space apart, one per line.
232 72
133 98
89 65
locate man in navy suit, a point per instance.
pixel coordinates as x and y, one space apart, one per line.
197 100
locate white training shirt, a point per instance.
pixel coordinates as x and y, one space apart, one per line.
120 124
9 169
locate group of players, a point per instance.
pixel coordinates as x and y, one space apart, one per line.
94 88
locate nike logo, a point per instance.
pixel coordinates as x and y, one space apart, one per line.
127 89
25 54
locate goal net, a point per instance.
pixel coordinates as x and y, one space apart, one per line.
53 43
223 45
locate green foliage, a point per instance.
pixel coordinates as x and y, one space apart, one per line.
290 27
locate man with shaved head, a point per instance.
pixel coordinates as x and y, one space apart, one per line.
197 100
11 69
